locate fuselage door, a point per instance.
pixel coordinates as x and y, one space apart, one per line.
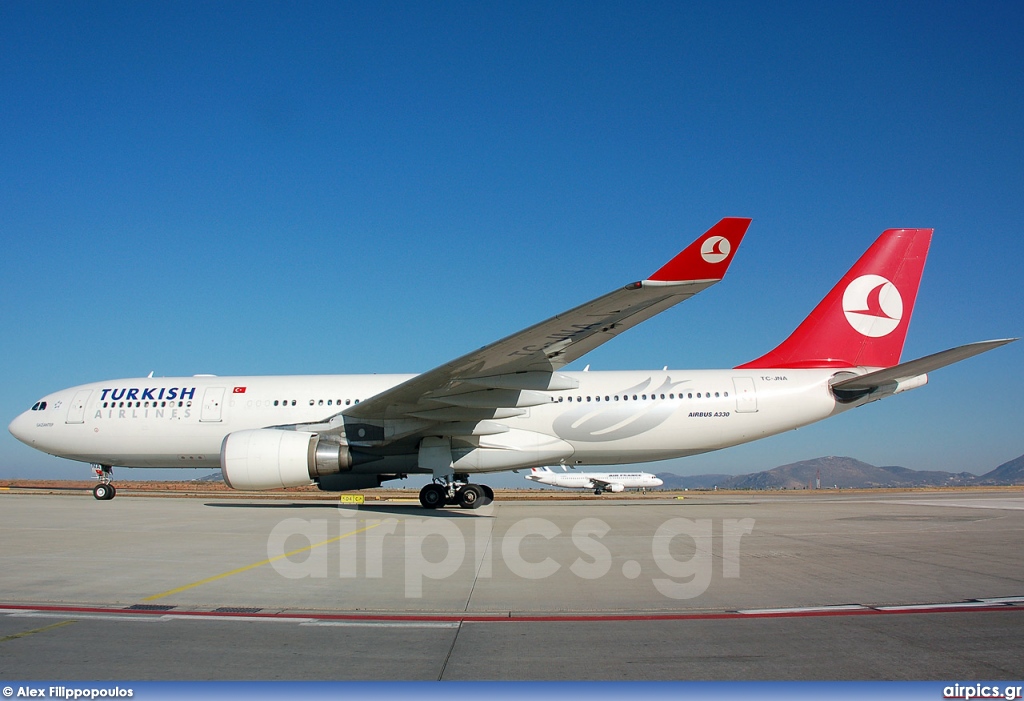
213 404
746 397
76 412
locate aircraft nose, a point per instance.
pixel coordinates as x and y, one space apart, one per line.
19 428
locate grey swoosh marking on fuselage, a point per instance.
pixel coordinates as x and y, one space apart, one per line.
613 422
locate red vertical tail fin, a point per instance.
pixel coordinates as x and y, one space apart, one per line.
863 321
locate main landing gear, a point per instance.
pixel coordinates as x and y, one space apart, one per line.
104 491
452 490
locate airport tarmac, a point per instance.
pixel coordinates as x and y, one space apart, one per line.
714 586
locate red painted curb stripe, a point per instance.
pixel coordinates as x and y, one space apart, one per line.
517 618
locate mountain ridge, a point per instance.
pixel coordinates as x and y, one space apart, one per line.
846 473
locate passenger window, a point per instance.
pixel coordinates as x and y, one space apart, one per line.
716 394
275 402
329 402
726 394
348 402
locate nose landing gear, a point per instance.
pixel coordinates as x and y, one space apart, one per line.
104 491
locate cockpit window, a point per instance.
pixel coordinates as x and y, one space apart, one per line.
38 406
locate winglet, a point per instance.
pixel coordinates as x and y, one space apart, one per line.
709 256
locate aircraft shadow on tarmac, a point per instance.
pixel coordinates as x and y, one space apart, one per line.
395 509
407 509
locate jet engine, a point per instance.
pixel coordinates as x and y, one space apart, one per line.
269 458
616 488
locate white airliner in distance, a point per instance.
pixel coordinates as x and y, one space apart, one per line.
510 405
600 482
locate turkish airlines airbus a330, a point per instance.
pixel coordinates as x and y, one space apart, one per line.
509 405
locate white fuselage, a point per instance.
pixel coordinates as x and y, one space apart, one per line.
611 418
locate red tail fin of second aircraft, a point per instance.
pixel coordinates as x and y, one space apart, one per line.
863 321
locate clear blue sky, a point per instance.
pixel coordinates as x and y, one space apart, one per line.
272 188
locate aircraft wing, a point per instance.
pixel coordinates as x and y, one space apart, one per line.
502 375
916 368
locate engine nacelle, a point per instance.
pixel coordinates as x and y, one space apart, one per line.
616 488
269 458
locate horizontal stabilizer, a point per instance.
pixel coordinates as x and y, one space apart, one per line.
915 368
